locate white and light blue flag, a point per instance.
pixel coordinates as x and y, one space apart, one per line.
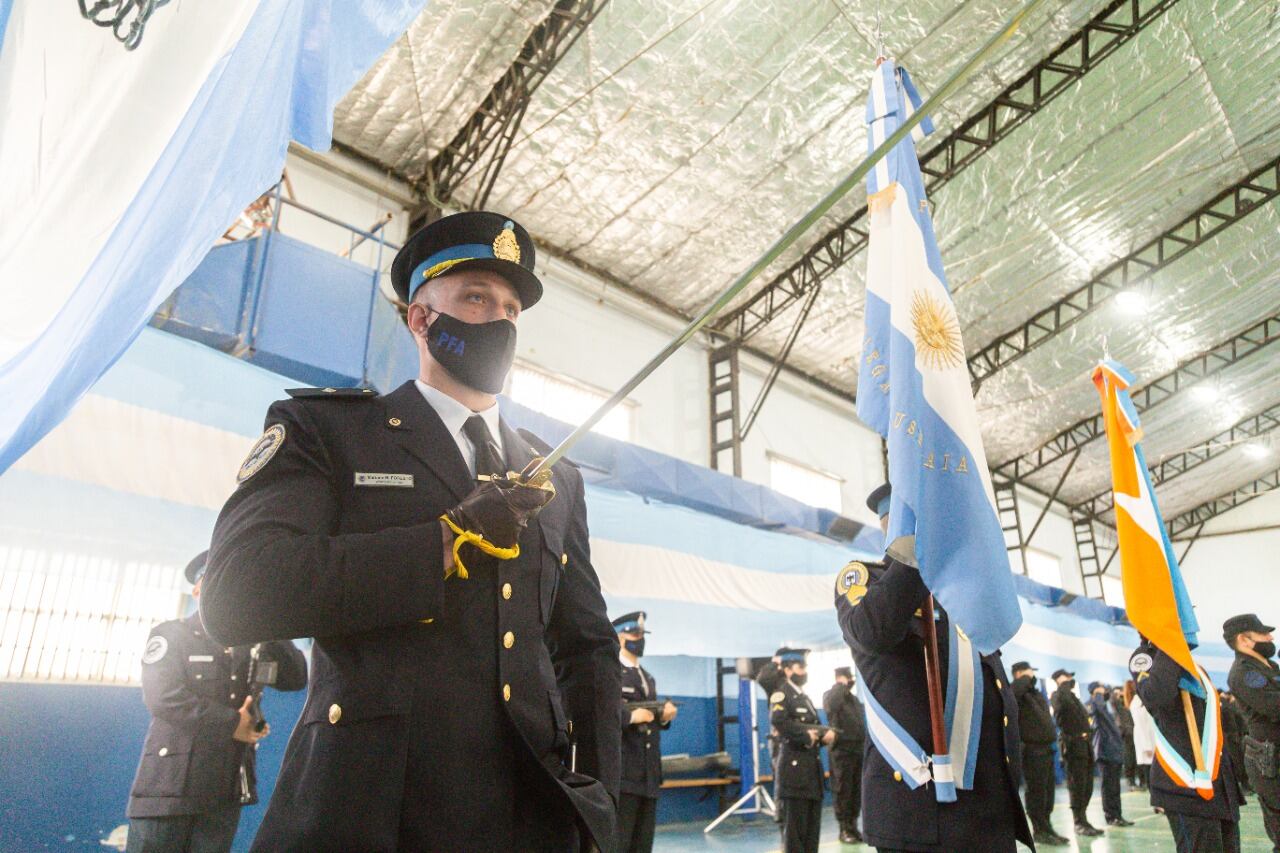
913 388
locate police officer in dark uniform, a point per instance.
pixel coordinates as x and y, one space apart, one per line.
197 766
461 638
800 786
1108 747
770 679
846 715
641 740
1198 825
1036 728
878 607
1255 682
1075 741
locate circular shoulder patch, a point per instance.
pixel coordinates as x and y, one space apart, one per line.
156 648
1140 662
852 582
266 447
777 697
1255 680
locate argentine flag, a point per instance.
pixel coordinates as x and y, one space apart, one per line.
913 388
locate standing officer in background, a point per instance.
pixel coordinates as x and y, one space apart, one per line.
800 759
461 638
1075 735
770 679
1198 825
1255 683
1035 725
197 766
878 607
1124 717
846 715
641 740
1108 746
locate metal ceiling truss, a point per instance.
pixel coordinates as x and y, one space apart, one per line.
1255 426
1111 28
1194 519
1192 370
1132 272
489 133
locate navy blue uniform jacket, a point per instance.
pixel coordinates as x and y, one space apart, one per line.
886 639
194 688
422 688
641 744
1158 687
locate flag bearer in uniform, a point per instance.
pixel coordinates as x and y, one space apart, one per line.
878 606
1203 814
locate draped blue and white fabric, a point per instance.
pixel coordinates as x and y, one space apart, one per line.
119 169
913 388
138 471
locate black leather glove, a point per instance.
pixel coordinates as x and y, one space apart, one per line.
494 515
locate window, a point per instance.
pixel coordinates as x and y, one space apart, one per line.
1044 567
814 487
1113 591
567 400
68 616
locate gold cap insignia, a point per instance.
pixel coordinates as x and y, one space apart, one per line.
505 245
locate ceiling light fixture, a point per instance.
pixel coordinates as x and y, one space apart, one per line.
1131 301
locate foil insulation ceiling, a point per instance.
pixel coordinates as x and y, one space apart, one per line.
678 139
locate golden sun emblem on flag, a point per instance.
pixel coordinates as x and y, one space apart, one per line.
505 246
937 332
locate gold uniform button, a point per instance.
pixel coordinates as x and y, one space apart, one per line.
1006 722
999 684
564 559
897 776
335 713
394 421
506 693
506 590
164 750
331 390
508 640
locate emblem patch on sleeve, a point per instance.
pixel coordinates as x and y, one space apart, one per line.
1141 662
156 648
266 447
777 697
1256 680
852 582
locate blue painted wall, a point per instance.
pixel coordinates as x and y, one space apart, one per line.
68 754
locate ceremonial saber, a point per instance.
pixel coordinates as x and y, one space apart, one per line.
792 234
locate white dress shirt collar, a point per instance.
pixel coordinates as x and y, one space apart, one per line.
455 415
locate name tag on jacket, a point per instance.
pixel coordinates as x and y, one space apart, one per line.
401 480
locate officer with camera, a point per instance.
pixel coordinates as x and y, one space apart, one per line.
197 766
1255 683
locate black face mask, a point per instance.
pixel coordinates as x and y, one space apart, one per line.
476 354
799 679
1267 650
1069 685
636 647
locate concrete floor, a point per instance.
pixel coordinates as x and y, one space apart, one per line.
1151 832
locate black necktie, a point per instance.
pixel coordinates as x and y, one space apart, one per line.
488 459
